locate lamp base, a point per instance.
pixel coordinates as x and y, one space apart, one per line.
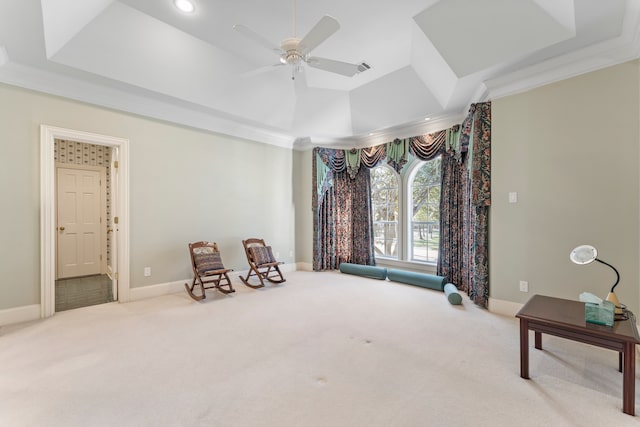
612 298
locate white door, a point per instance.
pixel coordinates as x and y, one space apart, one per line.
79 232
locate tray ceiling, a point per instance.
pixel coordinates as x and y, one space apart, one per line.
429 60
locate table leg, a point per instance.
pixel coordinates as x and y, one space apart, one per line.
629 379
524 348
620 361
538 340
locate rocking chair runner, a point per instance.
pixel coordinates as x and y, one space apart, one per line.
207 268
262 263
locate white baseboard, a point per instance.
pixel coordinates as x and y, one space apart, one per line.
19 314
29 313
304 266
505 308
151 291
32 312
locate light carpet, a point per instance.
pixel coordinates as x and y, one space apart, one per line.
322 349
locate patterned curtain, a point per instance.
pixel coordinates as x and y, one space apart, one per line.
343 218
343 224
453 217
429 146
480 202
464 205
343 230
396 152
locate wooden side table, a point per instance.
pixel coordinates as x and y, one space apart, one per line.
566 319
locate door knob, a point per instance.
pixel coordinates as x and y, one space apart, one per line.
61 228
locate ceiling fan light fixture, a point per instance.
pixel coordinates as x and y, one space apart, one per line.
185 6
291 55
293 58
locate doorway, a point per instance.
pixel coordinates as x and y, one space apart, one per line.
113 217
83 217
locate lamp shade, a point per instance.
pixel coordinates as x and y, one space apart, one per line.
586 254
583 254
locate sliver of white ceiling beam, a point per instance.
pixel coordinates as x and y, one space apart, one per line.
60 26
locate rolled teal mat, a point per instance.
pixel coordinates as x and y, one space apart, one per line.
419 279
364 270
452 294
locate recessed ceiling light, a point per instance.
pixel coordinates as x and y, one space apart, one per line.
185 5
426 119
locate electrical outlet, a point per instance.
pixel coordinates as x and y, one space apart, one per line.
290 253
277 255
524 286
147 271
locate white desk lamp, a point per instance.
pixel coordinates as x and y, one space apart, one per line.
586 254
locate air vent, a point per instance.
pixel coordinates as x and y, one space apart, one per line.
363 66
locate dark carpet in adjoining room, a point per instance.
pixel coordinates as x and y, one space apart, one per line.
83 291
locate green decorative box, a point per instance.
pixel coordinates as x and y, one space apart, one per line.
600 314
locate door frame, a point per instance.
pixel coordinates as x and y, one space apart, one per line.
120 196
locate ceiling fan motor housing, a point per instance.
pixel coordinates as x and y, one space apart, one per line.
291 54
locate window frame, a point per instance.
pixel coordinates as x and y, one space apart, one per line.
415 168
399 183
405 217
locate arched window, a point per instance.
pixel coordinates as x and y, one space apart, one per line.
424 208
384 203
406 212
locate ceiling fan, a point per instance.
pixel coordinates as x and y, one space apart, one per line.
294 51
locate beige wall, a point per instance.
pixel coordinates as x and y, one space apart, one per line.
302 171
570 151
186 185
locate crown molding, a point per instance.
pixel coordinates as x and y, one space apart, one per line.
52 83
421 127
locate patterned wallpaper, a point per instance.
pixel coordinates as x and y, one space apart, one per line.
79 153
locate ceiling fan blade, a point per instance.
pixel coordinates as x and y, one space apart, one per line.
338 67
318 34
262 70
248 32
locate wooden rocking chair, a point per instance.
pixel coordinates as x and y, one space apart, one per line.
262 263
207 268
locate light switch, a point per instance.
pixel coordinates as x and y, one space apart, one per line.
513 197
